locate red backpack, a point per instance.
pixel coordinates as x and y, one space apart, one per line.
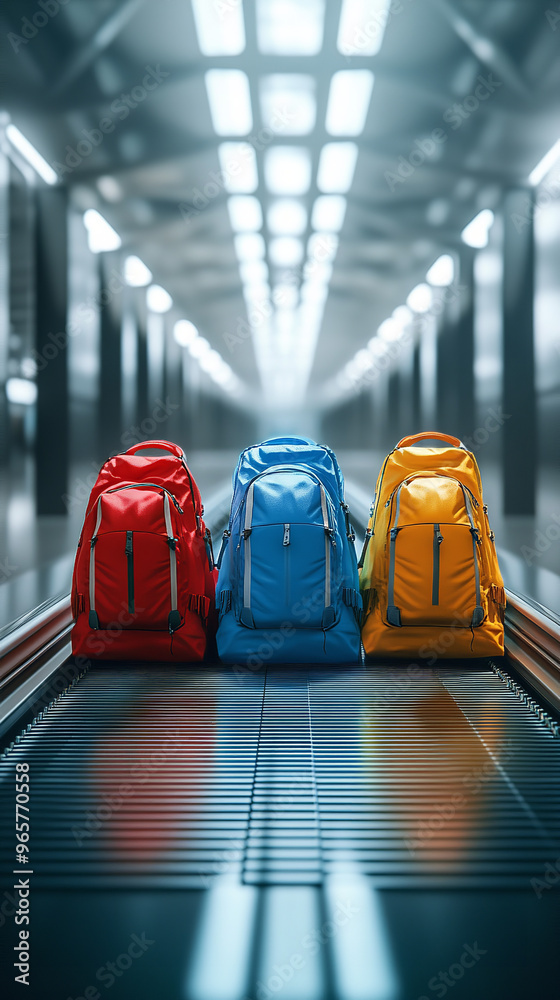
143 583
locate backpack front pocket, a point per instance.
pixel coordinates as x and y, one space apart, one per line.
290 575
434 566
286 568
133 571
434 575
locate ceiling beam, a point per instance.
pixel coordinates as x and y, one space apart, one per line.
486 49
101 39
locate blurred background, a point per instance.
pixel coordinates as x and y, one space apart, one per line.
225 219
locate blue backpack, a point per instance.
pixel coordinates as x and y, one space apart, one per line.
288 588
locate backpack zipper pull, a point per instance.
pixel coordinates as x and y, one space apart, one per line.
177 504
330 533
286 535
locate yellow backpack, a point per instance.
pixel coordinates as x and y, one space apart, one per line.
429 573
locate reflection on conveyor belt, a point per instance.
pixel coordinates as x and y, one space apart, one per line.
168 777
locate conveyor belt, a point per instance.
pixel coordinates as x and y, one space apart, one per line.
167 778
238 818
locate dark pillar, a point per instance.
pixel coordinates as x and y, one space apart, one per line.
52 437
174 428
463 364
406 389
519 397
393 425
446 408
4 302
110 375
142 408
416 399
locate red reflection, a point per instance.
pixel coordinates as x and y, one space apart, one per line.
150 776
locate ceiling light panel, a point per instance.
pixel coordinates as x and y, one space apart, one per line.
285 251
287 170
442 271
185 332
286 217
101 236
238 164
229 97
348 104
420 299
288 103
362 26
158 299
32 155
337 164
220 28
322 248
475 234
249 246
136 274
253 272
545 165
290 27
245 213
328 213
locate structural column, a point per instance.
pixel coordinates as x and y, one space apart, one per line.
445 360
416 399
406 389
4 300
455 397
110 375
173 426
392 431
142 408
52 437
519 394
462 374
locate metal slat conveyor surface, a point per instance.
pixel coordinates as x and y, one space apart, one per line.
261 807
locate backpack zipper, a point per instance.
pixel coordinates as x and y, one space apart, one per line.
438 539
130 570
174 619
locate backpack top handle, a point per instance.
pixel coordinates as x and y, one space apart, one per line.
161 445
412 439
